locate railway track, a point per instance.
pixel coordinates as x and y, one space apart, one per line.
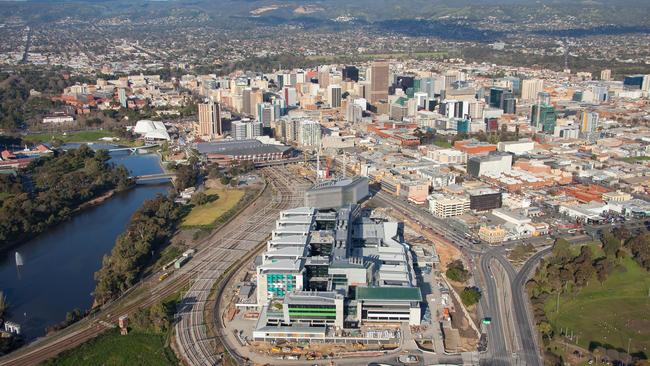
148 292
192 340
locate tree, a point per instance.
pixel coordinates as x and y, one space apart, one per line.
610 243
456 271
603 267
546 329
470 296
639 246
3 305
561 249
201 198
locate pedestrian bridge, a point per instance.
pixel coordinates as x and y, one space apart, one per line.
133 149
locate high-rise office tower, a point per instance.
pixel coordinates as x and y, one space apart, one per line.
496 97
265 114
257 97
324 77
452 78
334 96
350 73
378 81
544 117
645 85
588 122
246 129
530 88
246 101
606 75
422 99
290 96
310 133
514 83
509 104
353 113
210 120
279 107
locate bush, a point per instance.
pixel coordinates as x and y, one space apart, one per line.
200 198
470 296
456 271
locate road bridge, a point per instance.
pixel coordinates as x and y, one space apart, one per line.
152 177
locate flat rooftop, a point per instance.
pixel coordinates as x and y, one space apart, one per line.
389 293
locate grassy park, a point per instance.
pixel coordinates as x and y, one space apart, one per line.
82 136
207 214
111 348
611 313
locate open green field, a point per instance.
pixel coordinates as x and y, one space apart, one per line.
82 136
113 349
611 313
443 143
636 158
207 214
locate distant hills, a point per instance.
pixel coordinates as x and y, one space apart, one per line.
458 17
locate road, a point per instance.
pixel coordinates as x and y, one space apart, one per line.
146 293
499 309
193 342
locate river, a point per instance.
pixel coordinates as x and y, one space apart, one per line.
57 274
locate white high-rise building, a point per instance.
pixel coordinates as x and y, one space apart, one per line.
310 133
290 96
606 75
334 96
530 88
246 129
353 113
422 99
645 86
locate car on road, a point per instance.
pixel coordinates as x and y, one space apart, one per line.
408 359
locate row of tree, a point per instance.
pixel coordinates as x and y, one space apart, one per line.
564 271
51 188
149 229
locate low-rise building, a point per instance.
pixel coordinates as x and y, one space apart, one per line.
448 206
492 234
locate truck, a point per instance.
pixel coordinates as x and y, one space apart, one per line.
180 262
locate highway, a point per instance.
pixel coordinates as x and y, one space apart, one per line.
146 293
491 305
192 341
529 350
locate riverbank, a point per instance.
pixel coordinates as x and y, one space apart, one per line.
59 264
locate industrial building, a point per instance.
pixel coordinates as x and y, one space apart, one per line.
325 270
337 192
